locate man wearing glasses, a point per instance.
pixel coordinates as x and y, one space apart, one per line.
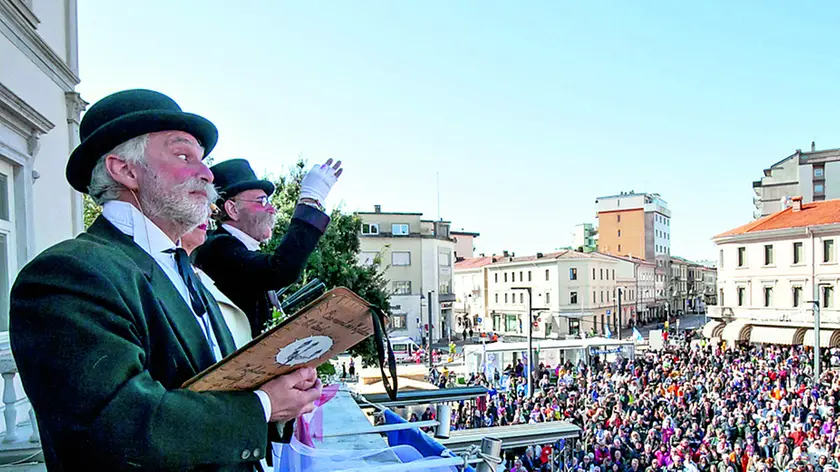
246 217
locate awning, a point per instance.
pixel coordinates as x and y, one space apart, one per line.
828 338
736 330
713 329
777 335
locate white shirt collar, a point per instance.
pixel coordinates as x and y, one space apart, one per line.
126 217
249 242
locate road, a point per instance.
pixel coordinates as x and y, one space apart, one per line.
689 321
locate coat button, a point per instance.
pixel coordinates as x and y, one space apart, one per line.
256 454
246 454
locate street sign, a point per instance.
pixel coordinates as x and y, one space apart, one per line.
609 312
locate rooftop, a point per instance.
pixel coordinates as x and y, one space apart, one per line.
812 214
465 233
476 262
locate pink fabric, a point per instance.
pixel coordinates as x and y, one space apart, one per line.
307 429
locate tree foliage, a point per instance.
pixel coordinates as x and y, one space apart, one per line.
91 210
335 260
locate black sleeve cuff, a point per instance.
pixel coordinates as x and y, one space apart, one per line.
311 215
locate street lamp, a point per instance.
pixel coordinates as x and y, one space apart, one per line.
429 329
530 365
816 302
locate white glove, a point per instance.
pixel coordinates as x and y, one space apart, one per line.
317 183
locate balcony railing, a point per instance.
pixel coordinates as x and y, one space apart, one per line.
21 444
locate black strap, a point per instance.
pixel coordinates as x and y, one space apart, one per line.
383 351
182 260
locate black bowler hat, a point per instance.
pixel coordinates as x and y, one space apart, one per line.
124 115
236 176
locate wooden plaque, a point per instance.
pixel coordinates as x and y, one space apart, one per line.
333 323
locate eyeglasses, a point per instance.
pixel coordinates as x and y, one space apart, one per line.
263 200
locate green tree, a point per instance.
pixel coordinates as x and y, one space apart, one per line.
335 260
91 210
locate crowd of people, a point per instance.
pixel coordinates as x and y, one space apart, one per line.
700 408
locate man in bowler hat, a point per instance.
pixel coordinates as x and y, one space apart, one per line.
231 256
105 328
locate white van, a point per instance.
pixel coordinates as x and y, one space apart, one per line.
404 348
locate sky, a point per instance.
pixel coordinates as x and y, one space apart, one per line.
524 112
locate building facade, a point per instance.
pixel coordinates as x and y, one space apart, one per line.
585 238
417 257
771 274
40 112
814 175
464 244
470 287
638 225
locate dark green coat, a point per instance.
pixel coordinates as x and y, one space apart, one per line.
103 341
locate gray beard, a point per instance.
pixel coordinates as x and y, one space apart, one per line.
175 204
253 222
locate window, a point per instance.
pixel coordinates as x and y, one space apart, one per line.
398 321
618 218
602 274
828 296
619 248
608 296
497 298
505 276
819 188
613 274
574 327
546 274
511 323
573 298
400 258
401 287
547 298
370 228
593 297
496 277
797 296
593 273
573 274
399 229
768 296
742 256
797 253
741 295
819 171
521 297
506 298
529 276
768 254
602 296
619 233
721 298
828 250
720 259
367 258
443 259
521 279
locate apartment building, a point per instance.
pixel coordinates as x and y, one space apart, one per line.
773 271
814 176
464 244
637 279
417 257
469 284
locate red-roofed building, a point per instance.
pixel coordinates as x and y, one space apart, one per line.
769 272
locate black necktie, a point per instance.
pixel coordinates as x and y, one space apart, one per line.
182 260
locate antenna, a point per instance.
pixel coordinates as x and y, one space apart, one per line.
437 178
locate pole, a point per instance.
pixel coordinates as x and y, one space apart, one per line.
618 315
429 350
530 346
816 335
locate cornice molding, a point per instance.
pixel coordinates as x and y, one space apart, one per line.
24 120
18 28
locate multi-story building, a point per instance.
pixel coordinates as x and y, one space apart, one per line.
469 283
773 271
814 176
638 225
464 244
678 287
585 238
636 277
572 292
417 257
709 285
39 119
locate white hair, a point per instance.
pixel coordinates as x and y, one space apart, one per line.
103 188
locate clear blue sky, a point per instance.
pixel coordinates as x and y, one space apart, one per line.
528 110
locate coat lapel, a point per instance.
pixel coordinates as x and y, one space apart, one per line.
183 322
